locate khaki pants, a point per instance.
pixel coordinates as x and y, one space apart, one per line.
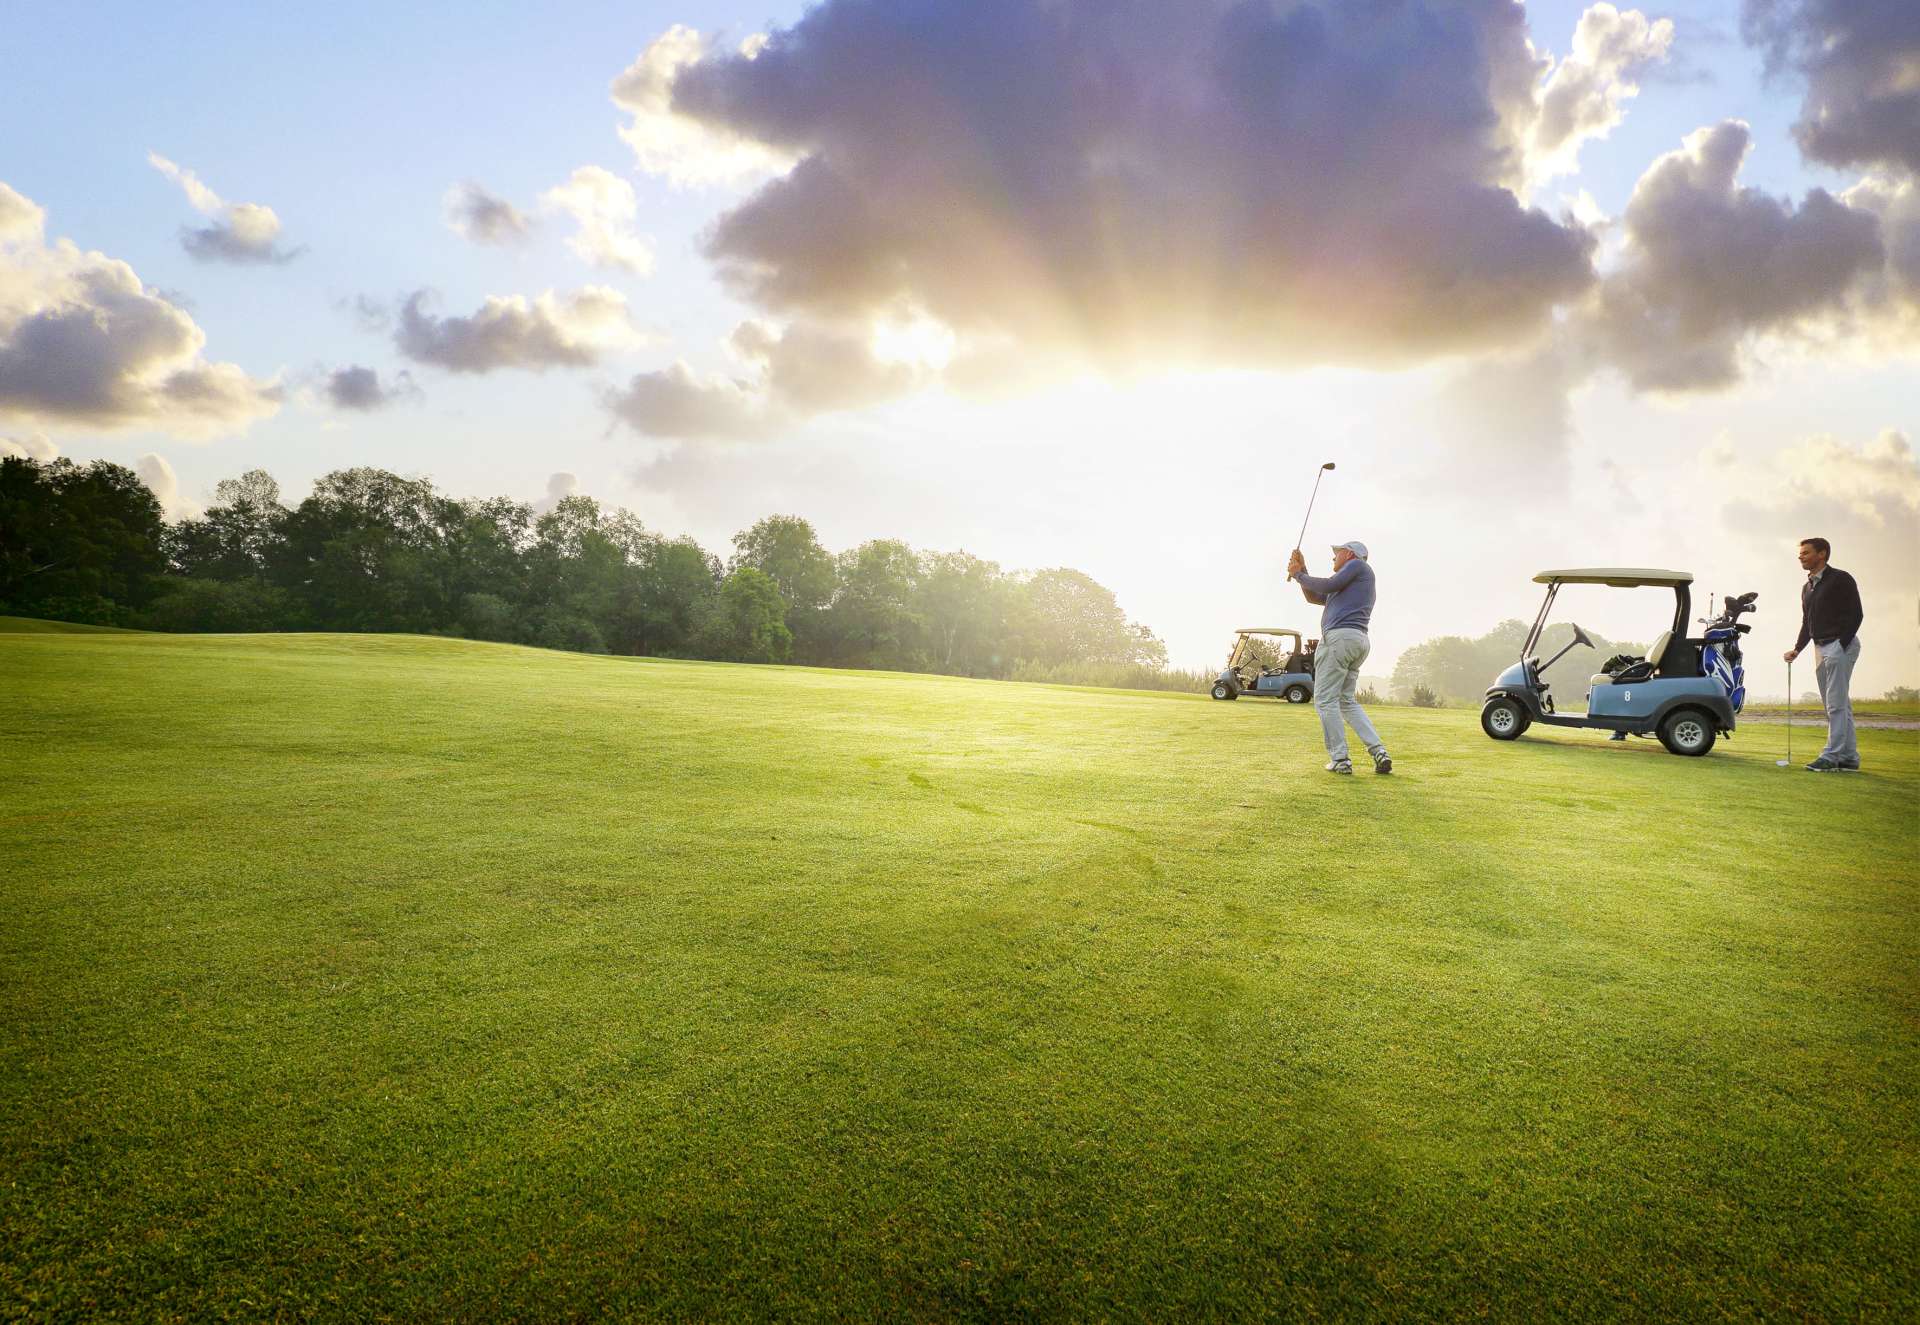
1336 677
1833 669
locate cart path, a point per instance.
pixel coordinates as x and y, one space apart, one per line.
1818 718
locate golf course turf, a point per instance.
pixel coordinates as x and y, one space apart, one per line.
393 978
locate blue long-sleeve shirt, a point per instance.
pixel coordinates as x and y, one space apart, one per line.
1348 594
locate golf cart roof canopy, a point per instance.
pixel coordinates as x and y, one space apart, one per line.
1267 630
1620 577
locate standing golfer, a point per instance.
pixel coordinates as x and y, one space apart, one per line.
1830 617
1348 596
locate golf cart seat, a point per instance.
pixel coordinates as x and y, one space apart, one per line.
1639 669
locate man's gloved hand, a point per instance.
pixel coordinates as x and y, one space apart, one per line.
1296 564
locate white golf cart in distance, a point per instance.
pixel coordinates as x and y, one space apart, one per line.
1289 678
1685 691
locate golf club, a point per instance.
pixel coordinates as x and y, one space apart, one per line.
1788 761
1309 515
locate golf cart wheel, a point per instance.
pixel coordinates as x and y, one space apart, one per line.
1504 719
1221 690
1296 694
1687 732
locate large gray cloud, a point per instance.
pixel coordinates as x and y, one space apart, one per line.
1861 63
512 331
83 342
1709 263
1131 184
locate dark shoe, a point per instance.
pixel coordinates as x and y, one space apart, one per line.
1341 766
1383 762
1849 765
1823 765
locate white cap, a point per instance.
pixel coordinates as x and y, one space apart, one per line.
1354 546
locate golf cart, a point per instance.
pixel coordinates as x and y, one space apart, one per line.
1289 677
1686 691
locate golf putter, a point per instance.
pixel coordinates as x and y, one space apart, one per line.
1309 515
1788 761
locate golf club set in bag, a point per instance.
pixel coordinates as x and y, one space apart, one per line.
1685 691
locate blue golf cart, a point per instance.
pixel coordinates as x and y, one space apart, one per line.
1685 691
1289 678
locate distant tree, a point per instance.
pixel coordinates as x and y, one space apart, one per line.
233 538
785 549
188 606
1068 616
963 604
872 621
676 580
746 622
364 553
1902 695
77 542
1422 697
1368 696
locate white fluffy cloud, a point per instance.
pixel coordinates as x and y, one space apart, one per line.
84 343
33 446
479 216
602 206
560 486
158 475
242 232
21 220
512 331
677 147
1583 97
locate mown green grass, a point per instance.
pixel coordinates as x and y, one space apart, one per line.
391 978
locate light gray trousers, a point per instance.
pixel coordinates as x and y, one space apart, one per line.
1336 677
1833 669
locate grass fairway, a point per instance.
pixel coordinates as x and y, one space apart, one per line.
387 978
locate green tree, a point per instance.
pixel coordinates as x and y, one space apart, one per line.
77 542
747 620
964 603
872 621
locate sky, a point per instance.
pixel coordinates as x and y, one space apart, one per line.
1057 282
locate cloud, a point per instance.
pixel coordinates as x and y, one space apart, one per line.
679 148
1095 184
358 388
1708 263
21 220
158 475
602 206
368 313
1582 99
511 331
1861 63
798 371
242 232
1864 499
474 214
83 342
560 486
33 446
678 402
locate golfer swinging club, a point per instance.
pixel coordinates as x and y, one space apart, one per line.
1348 596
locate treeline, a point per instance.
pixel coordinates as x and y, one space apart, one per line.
1456 670
370 550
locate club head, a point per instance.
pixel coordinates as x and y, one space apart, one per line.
1783 763
1328 465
